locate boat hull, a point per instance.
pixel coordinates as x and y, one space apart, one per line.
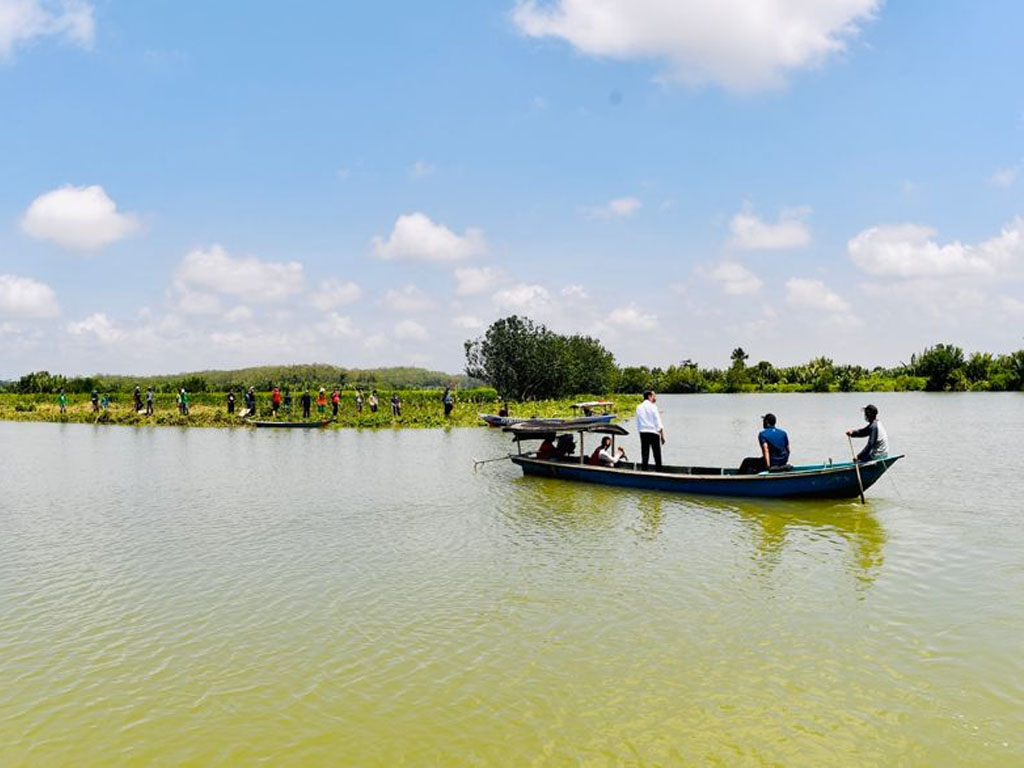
836 481
290 424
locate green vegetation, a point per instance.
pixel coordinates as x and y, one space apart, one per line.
420 408
523 360
541 372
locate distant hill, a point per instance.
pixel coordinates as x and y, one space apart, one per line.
262 377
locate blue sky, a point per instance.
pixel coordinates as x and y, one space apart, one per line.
192 185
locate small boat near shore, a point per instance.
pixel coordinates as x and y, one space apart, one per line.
811 481
319 424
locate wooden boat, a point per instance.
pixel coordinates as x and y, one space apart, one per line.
553 423
587 408
292 424
832 481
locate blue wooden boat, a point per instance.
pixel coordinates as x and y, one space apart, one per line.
809 481
553 423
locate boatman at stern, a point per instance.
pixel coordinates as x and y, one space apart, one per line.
652 433
878 441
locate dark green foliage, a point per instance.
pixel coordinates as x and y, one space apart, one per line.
943 366
524 360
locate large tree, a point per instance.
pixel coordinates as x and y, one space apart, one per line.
523 360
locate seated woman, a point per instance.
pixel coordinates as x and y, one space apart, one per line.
603 455
547 450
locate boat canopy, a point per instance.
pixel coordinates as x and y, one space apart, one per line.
525 431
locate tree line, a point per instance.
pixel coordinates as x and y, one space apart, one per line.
524 360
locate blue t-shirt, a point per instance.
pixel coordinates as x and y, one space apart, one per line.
778 445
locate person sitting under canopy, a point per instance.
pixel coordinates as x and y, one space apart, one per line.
604 456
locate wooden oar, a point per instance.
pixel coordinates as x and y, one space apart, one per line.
856 467
477 462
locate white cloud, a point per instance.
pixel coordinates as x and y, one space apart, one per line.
1004 177
81 218
805 293
410 330
238 314
214 269
750 233
740 44
575 292
620 207
909 251
468 322
97 326
735 279
631 318
198 303
24 20
408 299
24 297
334 293
416 237
1012 306
473 280
421 169
522 298
338 326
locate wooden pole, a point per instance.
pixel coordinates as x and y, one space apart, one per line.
856 466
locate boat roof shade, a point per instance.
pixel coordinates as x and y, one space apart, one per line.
540 432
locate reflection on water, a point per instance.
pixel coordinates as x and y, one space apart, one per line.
208 597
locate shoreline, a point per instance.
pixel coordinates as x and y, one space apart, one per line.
416 414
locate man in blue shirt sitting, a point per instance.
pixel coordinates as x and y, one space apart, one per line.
774 444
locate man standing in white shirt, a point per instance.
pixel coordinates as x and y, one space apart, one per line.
652 433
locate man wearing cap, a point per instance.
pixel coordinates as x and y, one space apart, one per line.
774 444
878 441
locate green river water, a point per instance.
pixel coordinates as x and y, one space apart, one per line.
232 597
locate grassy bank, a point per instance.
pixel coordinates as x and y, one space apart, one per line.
420 409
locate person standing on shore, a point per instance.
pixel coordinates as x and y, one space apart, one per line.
137 399
877 446
652 432
231 402
275 400
184 402
149 401
335 401
94 398
321 402
62 401
307 404
449 402
396 405
373 401
359 401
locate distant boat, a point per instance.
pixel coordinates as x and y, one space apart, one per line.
831 481
559 423
292 424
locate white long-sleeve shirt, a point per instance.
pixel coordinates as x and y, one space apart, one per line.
648 417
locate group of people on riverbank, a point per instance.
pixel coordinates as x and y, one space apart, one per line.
280 402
